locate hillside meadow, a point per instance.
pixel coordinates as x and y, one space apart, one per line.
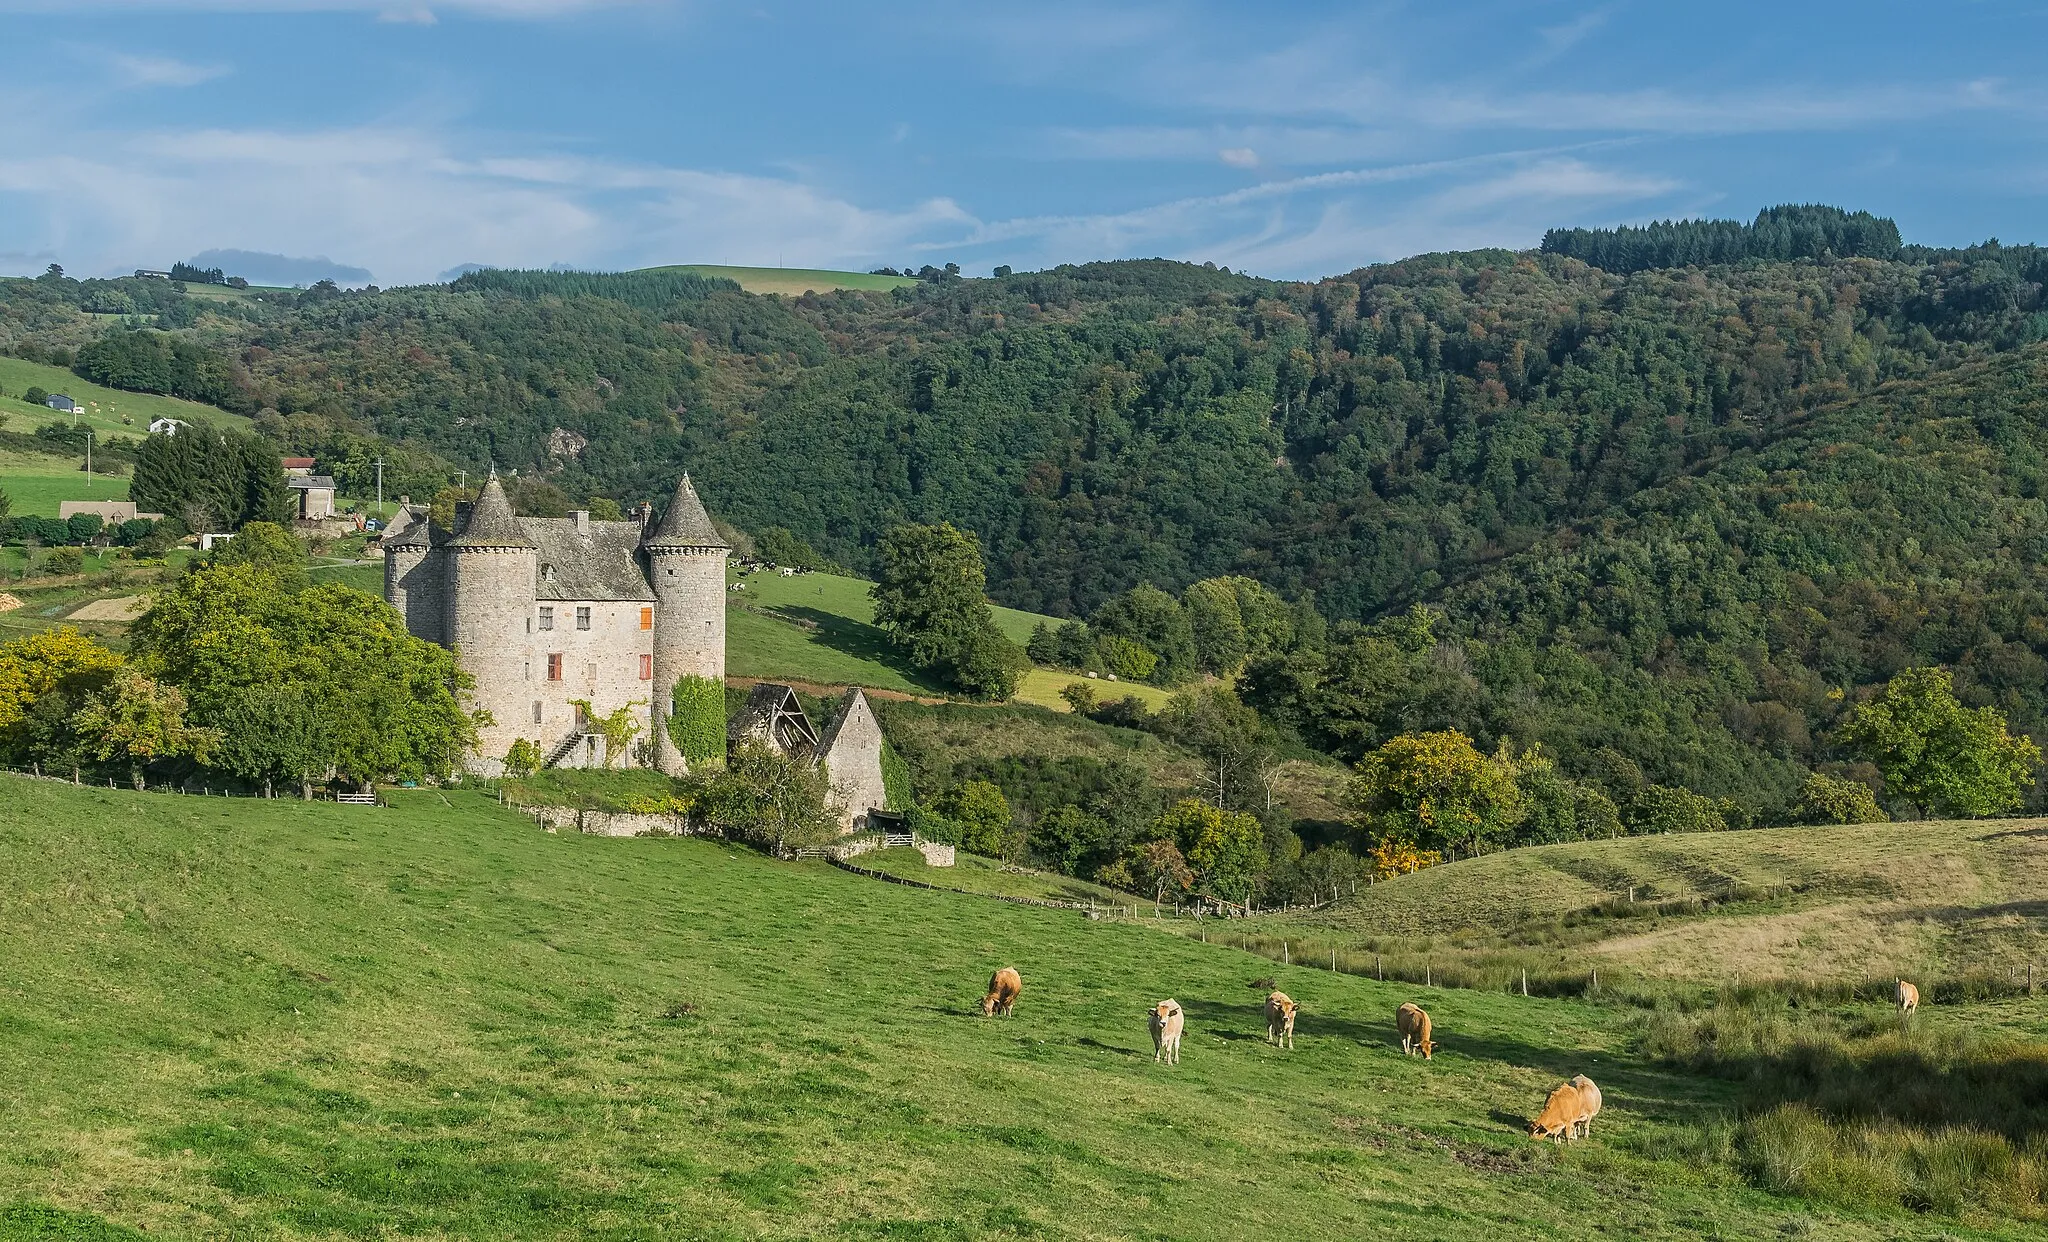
274 1019
1953 904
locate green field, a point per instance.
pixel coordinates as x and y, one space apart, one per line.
282 1020
819 628
105 408
35 483
1932 901
974 874
791 281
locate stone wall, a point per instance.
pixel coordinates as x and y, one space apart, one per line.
610 823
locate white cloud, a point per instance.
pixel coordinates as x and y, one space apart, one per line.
1239 157
407 202
133 70
408 15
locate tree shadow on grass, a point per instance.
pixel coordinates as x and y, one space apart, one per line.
849 637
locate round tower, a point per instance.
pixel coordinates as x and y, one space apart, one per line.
492 570
686 565
411 584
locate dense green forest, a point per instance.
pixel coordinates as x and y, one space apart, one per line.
1669 512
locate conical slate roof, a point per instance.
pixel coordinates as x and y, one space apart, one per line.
491 522
408 529
685 524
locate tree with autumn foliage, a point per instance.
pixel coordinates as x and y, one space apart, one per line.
1435 791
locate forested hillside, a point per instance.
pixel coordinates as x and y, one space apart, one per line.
1681 515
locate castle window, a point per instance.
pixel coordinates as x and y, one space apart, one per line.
647 618
555 666
536 711
647 668
529 670
583 618
547 617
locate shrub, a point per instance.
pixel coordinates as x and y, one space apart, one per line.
983 815
63 561
35 395
1662 808
523 758
1125 658
1080 696
1825 799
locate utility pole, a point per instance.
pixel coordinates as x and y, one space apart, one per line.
88 458
462 480
380 487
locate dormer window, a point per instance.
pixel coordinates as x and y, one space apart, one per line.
547 574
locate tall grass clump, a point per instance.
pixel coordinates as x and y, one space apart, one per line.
1864 1111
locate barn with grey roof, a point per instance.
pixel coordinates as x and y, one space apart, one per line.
562 622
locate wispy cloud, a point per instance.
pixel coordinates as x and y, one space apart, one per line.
134 70
403 202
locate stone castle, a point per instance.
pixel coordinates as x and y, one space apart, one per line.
563 621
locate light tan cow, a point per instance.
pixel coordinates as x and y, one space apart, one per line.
1906 996
1003 987
1413 1026
1589 1097
1563 1113
1280 1011
1167 1022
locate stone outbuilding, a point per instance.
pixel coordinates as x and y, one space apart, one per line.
851 751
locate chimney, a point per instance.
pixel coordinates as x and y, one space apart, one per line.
583 523
646 512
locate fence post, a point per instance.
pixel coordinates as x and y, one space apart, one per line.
1377 972
2030 978
1429 972
1595 988
1286 954
1525 981
1333 962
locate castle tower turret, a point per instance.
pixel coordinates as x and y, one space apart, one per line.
686 564
412 578
492 570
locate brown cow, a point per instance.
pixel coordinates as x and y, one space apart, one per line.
1167 1022
1413 1026
1280 1011
1589 1096
1906 996
1563 1113
1003 987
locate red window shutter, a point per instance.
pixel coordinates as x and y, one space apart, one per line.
555 667
647 668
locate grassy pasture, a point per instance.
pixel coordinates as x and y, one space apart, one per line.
274 1019
36 483
792 281
1943 900
972 873
820 628
104 407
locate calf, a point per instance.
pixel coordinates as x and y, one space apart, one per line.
1413 1026
1589 1096
1562 1115
1003 987
1280 1011
1907 996
1166 1021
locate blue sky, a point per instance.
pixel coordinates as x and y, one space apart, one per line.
407 137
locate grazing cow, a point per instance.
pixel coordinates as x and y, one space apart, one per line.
1589 1095
1562 1115
1003 987
1413 1027
1280 1011
1907 997
1166 1021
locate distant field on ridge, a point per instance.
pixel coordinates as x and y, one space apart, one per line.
791 281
